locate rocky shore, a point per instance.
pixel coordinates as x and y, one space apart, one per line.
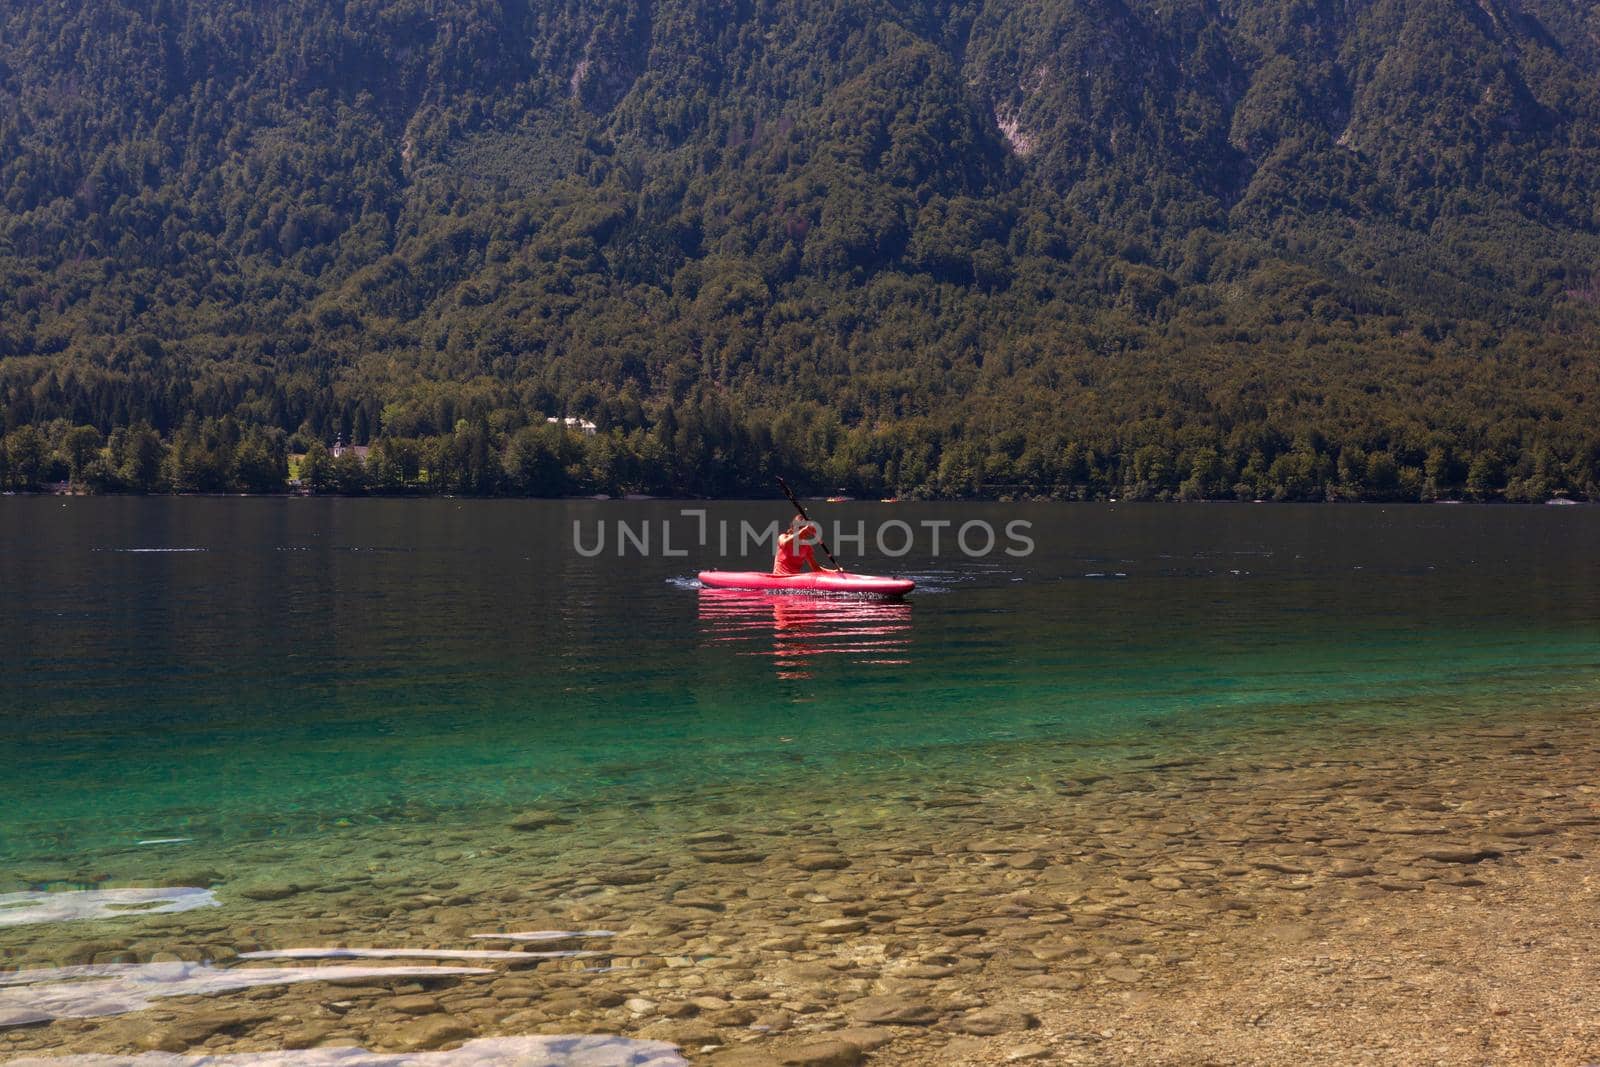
1394 897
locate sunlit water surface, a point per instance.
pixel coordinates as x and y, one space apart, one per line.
202 677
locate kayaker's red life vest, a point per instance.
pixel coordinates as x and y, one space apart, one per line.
794 555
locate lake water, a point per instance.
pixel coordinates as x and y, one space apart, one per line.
250 692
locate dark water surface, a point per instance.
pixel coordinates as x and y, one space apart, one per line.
229 671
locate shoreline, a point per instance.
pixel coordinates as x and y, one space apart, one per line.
1418 901
638 498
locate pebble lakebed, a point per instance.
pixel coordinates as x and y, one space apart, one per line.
1061 906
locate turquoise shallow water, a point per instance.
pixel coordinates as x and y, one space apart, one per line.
285 669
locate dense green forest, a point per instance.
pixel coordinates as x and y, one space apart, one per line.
1292 249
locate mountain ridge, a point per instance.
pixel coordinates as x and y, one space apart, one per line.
1074 249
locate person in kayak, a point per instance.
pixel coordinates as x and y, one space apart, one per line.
796 552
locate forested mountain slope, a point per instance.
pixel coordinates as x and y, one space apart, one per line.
1293 248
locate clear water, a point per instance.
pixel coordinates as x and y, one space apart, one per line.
284 671
561 1051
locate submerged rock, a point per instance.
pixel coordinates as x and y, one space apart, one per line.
1461 855
418 1004
274 891
822 1052
986 1022
894 1011
427 1033
728 855
193 1029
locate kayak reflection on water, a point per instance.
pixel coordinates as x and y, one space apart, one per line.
795 630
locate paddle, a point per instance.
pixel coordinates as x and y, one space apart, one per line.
801 508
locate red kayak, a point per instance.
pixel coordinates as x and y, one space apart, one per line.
832 582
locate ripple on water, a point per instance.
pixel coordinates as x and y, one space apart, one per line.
545 935
17 909
148 551
94 990
408 953
588 1050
